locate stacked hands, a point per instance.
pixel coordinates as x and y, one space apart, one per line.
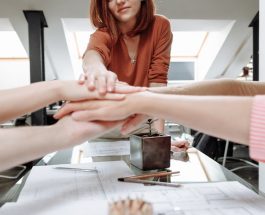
103 103
111 107
106 104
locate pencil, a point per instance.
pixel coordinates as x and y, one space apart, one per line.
157 174
133 180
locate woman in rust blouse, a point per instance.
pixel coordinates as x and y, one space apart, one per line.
131 44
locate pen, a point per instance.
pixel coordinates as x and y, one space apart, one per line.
157 174
132 180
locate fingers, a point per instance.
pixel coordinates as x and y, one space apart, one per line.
179 145
87 104
101 110
89 115
76 106
178 149
90 81
111 81
98 102
101 84
102 81
65 110
82 79
107 81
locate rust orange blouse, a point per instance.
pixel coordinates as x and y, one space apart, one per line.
153 55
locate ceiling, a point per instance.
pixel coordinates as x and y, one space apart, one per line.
227 20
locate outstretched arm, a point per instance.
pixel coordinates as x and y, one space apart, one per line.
19 145
221 87
225 117
19 101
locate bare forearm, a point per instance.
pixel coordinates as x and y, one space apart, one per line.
159 125
225 117
19 145
92 59
19 101
226 87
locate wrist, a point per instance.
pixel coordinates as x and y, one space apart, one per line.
141 102
56 89
63 134
62 87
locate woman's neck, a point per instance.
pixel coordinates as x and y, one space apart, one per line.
126 27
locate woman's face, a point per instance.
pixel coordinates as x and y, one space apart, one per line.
124 10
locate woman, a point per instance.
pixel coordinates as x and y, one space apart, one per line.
131 44
240 119
19 145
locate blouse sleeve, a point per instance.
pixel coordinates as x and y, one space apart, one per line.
161 57
257 129
100 41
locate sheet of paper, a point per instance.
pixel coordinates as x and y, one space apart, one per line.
51 191
106 148
73 185
80 207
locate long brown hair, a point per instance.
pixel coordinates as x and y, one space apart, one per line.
101 17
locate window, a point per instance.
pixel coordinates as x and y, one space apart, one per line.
14 62
11 47
186 47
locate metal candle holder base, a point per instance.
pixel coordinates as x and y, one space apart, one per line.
150 152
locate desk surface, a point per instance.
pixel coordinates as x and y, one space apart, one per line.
199 168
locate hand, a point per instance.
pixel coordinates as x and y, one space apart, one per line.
80 131
179 145
100 79
119 87
74 91
95 110
86 110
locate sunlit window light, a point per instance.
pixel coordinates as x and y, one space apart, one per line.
81 40
187 44
10 46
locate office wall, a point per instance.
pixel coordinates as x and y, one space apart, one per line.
241 11
14 73
262 78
